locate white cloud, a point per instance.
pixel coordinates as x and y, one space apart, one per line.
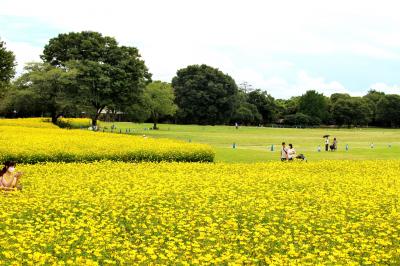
373 51
280 88
24 53
306 82
388 89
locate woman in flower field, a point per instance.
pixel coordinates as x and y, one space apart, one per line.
9 178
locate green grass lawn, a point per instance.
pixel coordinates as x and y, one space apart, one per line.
253 144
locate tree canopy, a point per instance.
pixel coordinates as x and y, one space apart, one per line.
314 104
109 76
265 104
50 86
351 111
204 95
388 110
158 101
7 65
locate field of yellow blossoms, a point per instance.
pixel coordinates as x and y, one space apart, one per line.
113 213
33 140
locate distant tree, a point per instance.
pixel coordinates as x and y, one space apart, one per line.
20 102
7 67
342 111
159 101
337 96
314 104
300 119
351 111
49 87
136 112
109 75
287 107
372 98
204 95
265 104
245 113
388 110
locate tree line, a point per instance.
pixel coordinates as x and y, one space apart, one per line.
86 73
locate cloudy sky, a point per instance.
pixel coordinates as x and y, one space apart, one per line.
283 47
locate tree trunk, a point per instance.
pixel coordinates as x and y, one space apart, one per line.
96 116
94 121
155 119
54 118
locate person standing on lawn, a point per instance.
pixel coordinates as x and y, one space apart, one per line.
326 143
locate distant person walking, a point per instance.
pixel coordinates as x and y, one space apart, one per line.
284 152
236 125
326 143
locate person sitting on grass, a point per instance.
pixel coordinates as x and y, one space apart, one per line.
284 152
293 155
9 179
291 152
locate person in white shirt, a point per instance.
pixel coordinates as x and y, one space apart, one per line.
284 152
326 143
291 152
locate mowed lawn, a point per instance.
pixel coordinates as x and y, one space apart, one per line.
253 144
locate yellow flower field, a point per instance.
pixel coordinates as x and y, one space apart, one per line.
328 212
28 122
31 141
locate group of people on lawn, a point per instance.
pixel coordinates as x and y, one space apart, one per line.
289 153
333 147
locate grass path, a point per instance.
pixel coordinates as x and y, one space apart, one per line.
253 144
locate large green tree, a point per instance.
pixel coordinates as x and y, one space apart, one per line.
315 105
388 110
158 99
245 112
351 111
372 98
21 102
109 76
337 96
287 107
204 95
265 104
7 67
50 87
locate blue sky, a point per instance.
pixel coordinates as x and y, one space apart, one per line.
284 47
